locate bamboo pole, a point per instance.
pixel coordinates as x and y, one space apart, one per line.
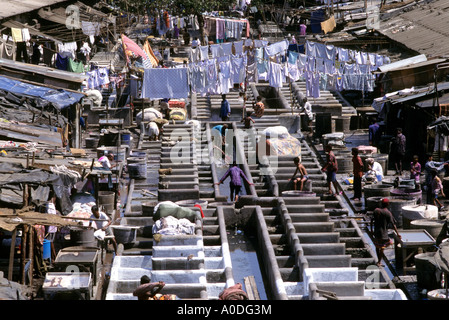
11 254
31 254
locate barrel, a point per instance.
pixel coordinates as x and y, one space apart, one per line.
130 160
125 138
82 237
426 271
91 143
411 213
46 254
395 207
344 164
323 123
376 190
297 193
107 200
342 123
433 227
148 208
110 139
137 170
407 192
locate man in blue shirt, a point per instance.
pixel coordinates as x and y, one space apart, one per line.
374 134
225 109
236 182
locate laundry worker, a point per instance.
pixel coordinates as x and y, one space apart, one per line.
374 133
235 184
307 108
153 131
415 170
375 171
248 121
331 168
357 166
303 177
429 166
382 218
104 224
397 151
223 129
106 159
259 107
225 108
437 189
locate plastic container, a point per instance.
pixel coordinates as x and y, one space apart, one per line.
47 249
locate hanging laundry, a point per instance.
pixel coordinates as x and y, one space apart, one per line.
150 53
262 64
61 62
160 83
238 69
26 35
74 66
251 71
16 34
194 54
204 52
225 76
216 50
276 75
343 54
238 46
220 29
68 49
227 48
90 28
280 47
212 77
133 49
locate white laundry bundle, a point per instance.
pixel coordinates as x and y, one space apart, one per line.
169 225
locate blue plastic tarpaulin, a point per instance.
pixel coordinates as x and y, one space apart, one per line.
60 98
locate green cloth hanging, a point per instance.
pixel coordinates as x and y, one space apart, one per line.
73 66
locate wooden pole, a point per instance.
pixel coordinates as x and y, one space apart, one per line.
23 252
11 254
31 254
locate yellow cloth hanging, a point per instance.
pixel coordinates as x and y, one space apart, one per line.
16 34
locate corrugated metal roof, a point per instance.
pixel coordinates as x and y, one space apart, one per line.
9 8
424 29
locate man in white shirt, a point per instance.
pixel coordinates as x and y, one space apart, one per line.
104 224
307 108
106 161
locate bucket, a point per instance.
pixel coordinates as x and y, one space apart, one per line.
125 235
137 170
433 227
91 143
437 294
148 208
396 204
107 200
82 237
426 271
293 193
192 203
47 249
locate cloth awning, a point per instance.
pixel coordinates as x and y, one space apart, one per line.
60 98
